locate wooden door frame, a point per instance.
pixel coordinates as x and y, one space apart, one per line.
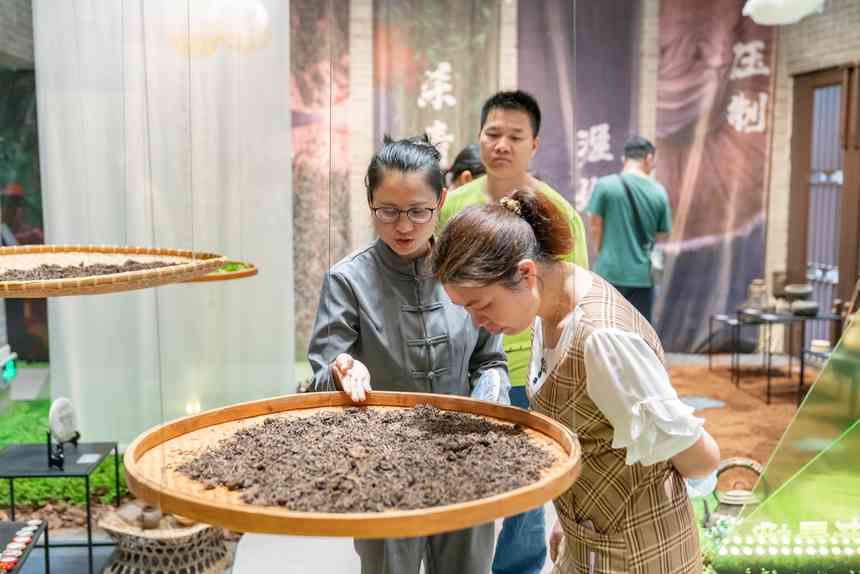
801 143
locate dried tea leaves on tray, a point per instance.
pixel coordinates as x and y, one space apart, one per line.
371 460
52 271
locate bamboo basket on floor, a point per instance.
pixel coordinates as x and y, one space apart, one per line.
188 265
198 548
151 459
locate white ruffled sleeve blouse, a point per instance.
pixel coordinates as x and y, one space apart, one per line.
630 386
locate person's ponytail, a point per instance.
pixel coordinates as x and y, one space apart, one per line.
484 244
546 220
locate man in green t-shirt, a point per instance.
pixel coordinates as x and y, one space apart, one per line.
510 122
622 259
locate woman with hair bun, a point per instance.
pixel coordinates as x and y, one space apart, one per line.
597 366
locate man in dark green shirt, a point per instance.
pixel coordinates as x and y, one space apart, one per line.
622 259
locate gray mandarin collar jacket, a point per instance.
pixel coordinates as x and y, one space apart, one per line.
394 316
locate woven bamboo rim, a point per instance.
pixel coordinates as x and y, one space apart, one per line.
150 461
197 264
113 523
249 271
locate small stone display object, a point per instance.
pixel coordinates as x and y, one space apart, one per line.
15 546
150 518
131 513
12 553
34 522
7 564
26 531
23 539
371 460
143 516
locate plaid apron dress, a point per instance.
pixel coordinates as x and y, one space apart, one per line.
616 518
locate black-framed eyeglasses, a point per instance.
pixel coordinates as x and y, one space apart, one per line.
414 214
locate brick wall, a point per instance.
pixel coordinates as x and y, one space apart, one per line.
823 40
361 142
817 42
16 34
508 54
648 63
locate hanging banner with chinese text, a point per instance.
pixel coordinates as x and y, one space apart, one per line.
546 67
434 64
714 99
319 94
605 96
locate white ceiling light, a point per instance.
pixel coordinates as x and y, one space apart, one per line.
246 24
781 12
238 24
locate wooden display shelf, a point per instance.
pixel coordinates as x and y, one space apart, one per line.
151 459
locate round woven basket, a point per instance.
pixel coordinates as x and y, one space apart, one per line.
188 265
198 548
150 469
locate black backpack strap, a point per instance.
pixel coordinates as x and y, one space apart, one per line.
646 243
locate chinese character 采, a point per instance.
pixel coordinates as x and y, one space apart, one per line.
436 88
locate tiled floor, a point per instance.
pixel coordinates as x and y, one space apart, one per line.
67 561
287 554
281 554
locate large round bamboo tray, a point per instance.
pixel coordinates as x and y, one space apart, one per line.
190 264
150 461
217 275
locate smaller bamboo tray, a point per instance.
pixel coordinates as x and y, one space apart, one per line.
190 264
249 271
151 459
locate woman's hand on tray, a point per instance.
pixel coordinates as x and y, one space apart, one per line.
352 377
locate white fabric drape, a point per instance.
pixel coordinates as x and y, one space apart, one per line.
143 143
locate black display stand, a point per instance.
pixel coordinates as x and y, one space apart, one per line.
23 461
746 318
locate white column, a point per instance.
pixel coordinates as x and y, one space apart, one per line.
361 135
649 63
508 53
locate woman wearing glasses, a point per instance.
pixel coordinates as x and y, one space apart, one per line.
384 323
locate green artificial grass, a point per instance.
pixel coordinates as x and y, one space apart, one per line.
31 364
26 422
